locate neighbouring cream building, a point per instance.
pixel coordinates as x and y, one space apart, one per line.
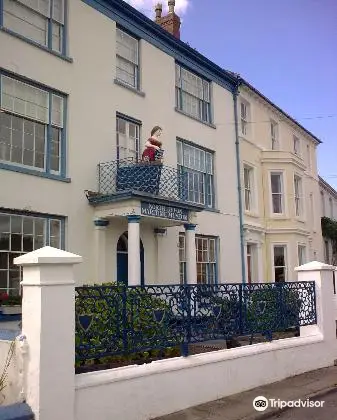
279 187
328 209
82 85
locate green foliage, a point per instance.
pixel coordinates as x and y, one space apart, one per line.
122 319
329 228
12 300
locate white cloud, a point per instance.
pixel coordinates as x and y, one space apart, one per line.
147 6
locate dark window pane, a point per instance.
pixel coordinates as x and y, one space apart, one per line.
279 274
4 241
28 243
3 279
16 224
28 225
11 257
4 223
28 127
38 242
28 157
3 261
16 242
39 226
39 160
14 279
17 123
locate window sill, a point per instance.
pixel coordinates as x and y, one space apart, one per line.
28 171
211 210
194 118
251 214
132 89
35 44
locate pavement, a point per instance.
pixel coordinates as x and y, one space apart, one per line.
315 386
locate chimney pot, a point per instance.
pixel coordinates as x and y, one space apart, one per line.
159 10
171 4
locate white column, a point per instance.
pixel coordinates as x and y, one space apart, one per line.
48 323
191 255
322 274
100 249
134 277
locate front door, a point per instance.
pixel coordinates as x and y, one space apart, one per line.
122 260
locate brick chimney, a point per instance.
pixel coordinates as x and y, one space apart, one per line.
170 22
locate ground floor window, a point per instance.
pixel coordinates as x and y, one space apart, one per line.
302 254
252 262
280 263
22 233
206 259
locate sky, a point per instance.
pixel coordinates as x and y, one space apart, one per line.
287 49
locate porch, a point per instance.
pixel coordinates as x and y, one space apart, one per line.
137 203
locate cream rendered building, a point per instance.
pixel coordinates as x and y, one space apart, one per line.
84 82
328 209
279 188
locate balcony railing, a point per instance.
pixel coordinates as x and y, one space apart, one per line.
151 178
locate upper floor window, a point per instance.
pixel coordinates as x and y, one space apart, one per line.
193 94
127 139
127 59
331 208
41 21
197 164
298 195
206 259
245 116
296 146
323 203
274 135
276 180
20 234
248 178
31 126
308 157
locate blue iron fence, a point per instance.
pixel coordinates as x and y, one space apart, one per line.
114 320
151 178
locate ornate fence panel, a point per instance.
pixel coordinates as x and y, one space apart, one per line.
112 320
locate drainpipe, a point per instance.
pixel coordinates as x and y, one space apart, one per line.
238 173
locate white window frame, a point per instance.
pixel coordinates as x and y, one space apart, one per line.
282 193
201 101
195 175
249 189
131 154
285 247
323 203
22 231
245 118
47 110
135 64
303 247
52 17
298 196
331 212
210 264
274 135
296 145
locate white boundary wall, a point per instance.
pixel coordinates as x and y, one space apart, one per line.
143 392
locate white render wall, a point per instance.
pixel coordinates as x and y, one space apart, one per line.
92 105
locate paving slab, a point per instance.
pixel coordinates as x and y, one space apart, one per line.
314 384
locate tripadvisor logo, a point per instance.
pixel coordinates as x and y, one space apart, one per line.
262 403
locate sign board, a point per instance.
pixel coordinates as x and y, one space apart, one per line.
165 212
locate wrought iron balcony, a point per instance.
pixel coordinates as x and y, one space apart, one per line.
150 178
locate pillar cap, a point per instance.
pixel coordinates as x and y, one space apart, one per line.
315 266
48 255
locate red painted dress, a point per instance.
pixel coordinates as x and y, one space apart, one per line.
151 154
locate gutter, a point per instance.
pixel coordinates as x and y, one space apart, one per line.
238 173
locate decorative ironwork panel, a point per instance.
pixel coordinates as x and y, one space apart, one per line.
151 178
118 319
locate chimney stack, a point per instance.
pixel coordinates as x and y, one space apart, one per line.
170 22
